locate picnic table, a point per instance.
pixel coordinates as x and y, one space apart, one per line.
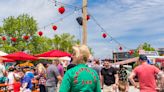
3 87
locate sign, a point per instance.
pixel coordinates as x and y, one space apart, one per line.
148 53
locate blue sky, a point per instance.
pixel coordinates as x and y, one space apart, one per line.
131 22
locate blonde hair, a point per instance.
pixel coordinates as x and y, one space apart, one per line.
82 54
40 68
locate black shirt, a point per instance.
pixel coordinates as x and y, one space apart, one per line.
70 66
108 75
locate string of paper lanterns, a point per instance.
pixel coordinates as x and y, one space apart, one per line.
120 48
131 52
88 17
79 20
54 27
13 39
61 10
3 38
26 37
40 33
104 35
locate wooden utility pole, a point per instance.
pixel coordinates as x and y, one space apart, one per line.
84 10
115 57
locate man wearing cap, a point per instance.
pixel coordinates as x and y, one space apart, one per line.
146 75
80 78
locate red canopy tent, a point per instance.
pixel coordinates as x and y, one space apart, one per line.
159 59
54 53
6 59
9 60
20 56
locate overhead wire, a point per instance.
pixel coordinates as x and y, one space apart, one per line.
103 30
64 17
97 23
76 8
80 8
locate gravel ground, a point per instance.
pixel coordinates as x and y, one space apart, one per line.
131 89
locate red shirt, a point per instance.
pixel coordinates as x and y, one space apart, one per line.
146 74
17 86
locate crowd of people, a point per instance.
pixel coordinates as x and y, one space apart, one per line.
81 75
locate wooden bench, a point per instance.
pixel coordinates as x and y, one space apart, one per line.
35 82
35 91
3 87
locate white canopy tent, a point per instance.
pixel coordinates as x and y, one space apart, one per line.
154 57
3 53
126 61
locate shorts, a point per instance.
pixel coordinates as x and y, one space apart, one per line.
51 89
108 88
26 90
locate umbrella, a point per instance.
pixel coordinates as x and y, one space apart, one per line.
20 56
54 53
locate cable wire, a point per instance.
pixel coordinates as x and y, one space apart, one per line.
103 30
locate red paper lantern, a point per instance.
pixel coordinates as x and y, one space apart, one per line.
3 38
54 27
131 52
13 39
26 37
104 35
40 33
88 17
120 48
61 10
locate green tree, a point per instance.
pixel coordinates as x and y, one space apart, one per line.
40 45
25 25
18 27
145 46
64 42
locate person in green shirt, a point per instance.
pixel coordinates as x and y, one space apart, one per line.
80 78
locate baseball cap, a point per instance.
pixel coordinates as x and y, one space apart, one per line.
142 57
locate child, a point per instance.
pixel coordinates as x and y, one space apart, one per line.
17 84
10 78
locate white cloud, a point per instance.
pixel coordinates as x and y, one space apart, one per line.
121 18
141 18
119 21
